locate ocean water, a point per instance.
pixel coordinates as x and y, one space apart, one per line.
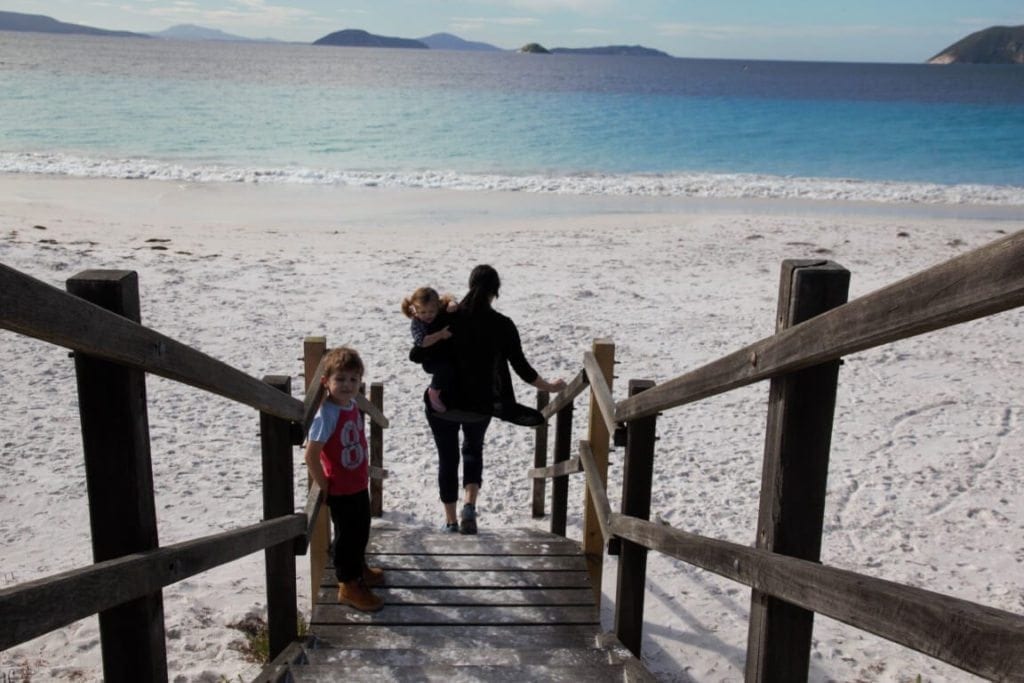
263 112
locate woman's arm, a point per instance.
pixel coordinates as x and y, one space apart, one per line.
544 385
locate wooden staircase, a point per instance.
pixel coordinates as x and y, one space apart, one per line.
503 605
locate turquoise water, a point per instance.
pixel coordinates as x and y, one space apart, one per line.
297 113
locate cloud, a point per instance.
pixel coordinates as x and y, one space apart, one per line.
476 23
239 13
551 6
762 31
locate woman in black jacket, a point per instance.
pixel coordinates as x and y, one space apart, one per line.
484 344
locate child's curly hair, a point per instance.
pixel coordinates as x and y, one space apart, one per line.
343 358
422 297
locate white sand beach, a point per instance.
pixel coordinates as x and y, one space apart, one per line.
926 483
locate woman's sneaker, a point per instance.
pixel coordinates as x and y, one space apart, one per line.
450 527
467 522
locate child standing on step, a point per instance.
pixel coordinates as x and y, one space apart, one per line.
338 460
430 316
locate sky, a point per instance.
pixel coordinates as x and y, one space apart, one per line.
819 30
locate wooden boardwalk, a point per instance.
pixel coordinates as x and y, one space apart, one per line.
503 605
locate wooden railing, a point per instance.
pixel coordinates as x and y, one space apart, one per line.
815 330
98 319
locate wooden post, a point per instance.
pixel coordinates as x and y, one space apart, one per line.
540 458
119 480
313 349
637 477
377 452
599 438
560 485
794 474
279 500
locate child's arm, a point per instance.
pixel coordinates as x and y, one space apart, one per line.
434 337
316 471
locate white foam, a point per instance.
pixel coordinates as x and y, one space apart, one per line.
700 185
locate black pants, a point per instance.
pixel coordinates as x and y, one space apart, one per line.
351 517
446 437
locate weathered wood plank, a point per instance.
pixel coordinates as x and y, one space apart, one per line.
377 453
570 466
599 432
483 543
980 283
984 641
480 562
458 655
522 597
560 485
37 607
372 411
596 488
119 479
522 637
479 579
637 475
459 614
318 529
462 674
35 309
540 458
566 396
279 501
794 474
600 390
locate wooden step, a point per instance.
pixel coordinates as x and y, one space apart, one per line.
458 674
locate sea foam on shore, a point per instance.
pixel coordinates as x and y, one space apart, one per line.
698 185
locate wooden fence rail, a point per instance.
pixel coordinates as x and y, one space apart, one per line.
99 320
35 309
815 330
980 283
34 608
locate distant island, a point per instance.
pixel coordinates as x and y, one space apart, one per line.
37 23
446 41
616 50
352 37
995 45
200 33
626 50
534 49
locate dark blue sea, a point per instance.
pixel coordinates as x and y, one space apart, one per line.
268 112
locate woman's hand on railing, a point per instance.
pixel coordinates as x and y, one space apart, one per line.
553 387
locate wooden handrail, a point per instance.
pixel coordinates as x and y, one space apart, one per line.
596 488
566 396
600 391
559 469
976 638
37 607
36 309
980 283
314 501
371 410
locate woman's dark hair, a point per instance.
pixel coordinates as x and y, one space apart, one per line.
484 284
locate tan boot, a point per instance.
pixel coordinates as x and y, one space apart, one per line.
355 594
373 576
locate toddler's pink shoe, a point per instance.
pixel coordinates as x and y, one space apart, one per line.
434 395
